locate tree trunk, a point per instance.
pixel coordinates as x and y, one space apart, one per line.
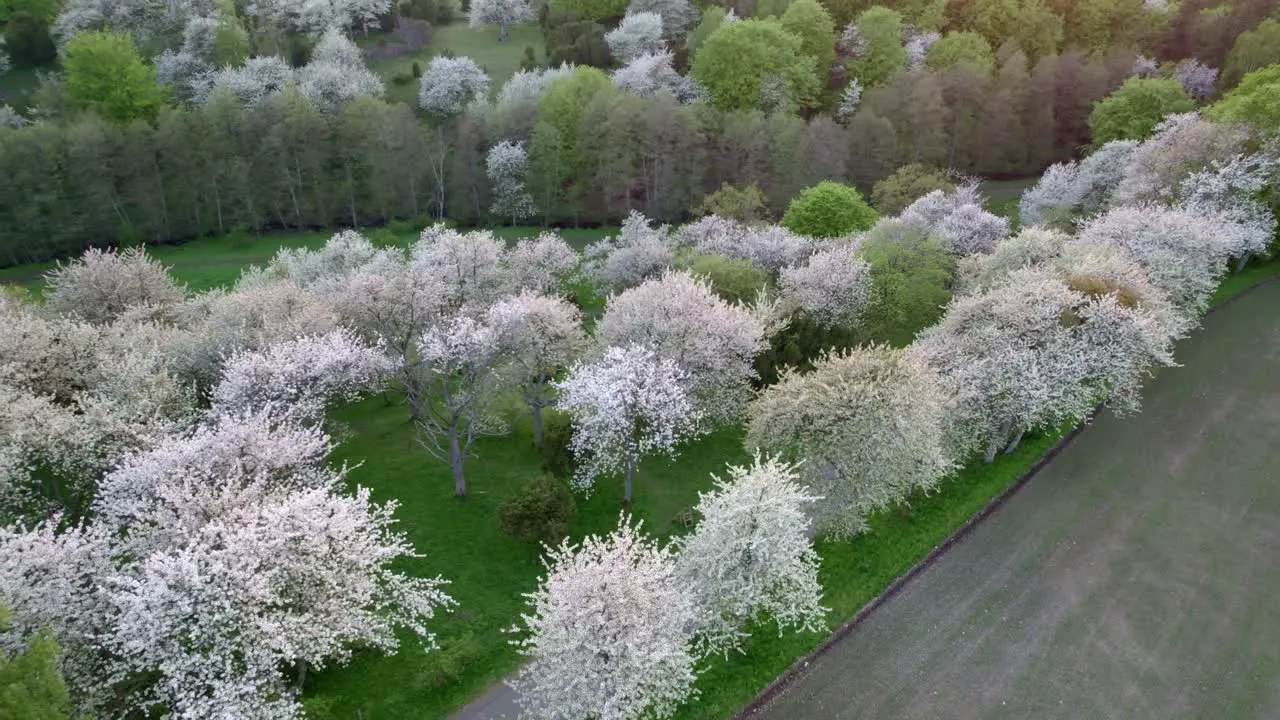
998 439
1013 444
1243 261
626 493
302 675
455 458
537 425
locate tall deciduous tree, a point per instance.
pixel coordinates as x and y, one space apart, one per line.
104 71
628 404
448 87
638 34
868 426
506 165
738 58
503 13
750 559
1133 111
459 360
607 632
880 31
540 336
832 288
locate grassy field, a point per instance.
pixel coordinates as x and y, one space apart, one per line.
499 59
1136 577
1003 195
218 261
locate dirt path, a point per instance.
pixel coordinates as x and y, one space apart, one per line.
1136 577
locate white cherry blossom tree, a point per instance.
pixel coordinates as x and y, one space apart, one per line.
628 404
750 558
336 73
607 633
101 285
458 360
833 287
867 426
638 252
506 165
540 336
638 34
302 376
541 264
471 265
1039 350
681 318
503 13
1184 252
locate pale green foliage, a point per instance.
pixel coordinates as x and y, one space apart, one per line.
1133 111
807 20
881 31
104 71
867 425
30 686
1255 101
1253 50
961 47
828 209
907 184
738 59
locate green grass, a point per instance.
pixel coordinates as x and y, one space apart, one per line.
217 261
1003 195
464 543
499 59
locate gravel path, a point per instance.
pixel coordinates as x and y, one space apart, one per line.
1136 577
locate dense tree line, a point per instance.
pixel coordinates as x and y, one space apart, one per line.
285 163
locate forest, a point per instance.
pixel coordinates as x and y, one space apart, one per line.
188 123
425 449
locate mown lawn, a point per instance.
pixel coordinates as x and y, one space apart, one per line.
499 59
218 261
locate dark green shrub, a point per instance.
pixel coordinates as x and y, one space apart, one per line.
745 205
28 41
733 279
540 513
557 431
907 184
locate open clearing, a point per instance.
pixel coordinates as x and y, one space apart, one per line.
1135 577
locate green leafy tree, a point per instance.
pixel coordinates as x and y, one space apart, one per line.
881 30
733 279
30 686
907 184
712 19
27 40
1133 111
807 20
737 61
1037 29
1256 100
746 205
960 47
911 277
829 209
104 71
1253 50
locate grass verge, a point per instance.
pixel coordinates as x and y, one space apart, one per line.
499 59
